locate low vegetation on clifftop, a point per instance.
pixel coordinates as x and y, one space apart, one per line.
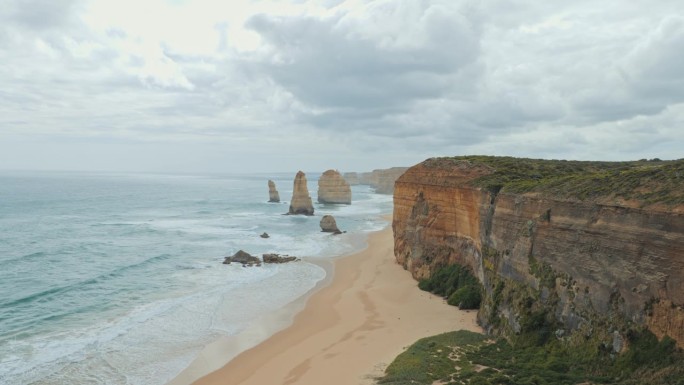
643 182
464 357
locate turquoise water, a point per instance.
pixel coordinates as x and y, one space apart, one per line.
117 278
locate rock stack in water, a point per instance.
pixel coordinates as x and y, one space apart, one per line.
243 258
329 225
301 201
332 188
273 195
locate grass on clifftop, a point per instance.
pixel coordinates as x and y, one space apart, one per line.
647 181
463 357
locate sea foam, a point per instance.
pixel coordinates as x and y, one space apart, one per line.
117 279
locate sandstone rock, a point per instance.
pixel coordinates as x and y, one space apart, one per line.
265 235
329 225
301 201
273 195
589 263
242 257
332 188
277 258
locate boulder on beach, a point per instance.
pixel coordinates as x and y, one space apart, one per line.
244 258
329 225
332 188
301 201
273 195
277 258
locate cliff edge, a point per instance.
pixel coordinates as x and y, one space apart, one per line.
595 248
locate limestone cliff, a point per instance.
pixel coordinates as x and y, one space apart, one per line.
332 188
382 180
598 246
301 201
273 195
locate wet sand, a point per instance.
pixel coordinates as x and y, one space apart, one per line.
350 329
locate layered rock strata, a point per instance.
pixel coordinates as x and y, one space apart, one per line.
273 195
332 188
301 201
596 269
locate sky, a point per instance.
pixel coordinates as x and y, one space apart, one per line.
253 86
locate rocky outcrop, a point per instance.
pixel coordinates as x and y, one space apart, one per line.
329 225
265 235
243 258
301 201
277 258
273 195
594 268
332 188
352 178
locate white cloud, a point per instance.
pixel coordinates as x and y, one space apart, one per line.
406 78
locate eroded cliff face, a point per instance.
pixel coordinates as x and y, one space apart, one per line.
382 180
301 200
273 195
598 269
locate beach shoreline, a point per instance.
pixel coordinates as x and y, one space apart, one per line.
346 330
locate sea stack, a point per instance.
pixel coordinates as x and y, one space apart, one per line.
301 201
332 188
329 225
273 195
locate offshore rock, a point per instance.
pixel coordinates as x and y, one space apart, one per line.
273 195
595 266
333 188
265 235
301 201
277 258
329 225
242 257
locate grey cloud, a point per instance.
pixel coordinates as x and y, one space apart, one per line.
655 67
405 79
329 64
41 15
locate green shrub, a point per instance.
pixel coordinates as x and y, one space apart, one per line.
455 283
430 360
466 297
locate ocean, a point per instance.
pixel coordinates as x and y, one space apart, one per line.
115 278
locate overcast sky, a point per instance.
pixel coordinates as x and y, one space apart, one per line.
238 85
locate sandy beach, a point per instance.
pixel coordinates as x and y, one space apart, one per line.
349 330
